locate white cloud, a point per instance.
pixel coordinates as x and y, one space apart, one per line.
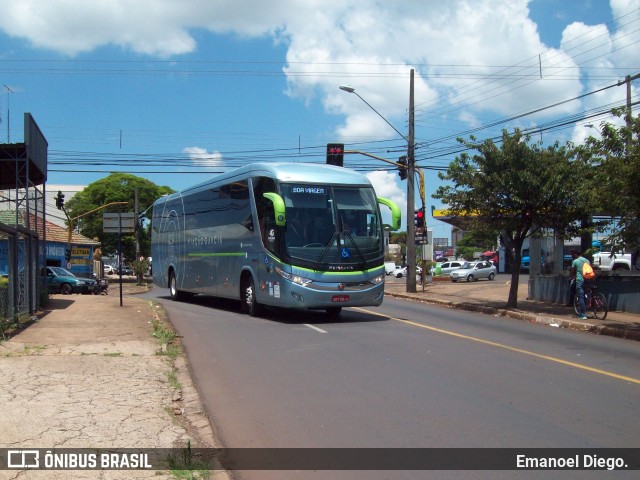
385 186
368 43
602 48
152 27
202 158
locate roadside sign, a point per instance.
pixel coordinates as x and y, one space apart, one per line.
421 236
118 222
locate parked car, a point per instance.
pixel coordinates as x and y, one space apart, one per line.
61 280
472 271
125 270
447 267
109 270
389 267
402 271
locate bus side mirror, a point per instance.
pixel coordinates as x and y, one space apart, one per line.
279 209
396 215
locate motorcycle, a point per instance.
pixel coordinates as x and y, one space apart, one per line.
102 288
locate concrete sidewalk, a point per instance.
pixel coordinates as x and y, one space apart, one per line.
90 374
491 297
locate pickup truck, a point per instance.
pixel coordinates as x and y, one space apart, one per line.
607 261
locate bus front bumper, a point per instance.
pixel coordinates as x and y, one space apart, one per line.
329 295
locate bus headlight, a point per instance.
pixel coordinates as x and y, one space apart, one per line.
297 279
378 280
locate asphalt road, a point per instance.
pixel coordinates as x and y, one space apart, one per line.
407 374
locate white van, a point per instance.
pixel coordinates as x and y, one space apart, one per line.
389 267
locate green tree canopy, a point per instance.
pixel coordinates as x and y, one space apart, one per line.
517 188
477 240
615 166
117 187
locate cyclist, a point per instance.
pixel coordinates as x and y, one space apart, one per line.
576 274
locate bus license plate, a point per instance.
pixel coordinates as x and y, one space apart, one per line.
340 298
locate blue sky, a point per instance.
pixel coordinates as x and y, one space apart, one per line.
176 91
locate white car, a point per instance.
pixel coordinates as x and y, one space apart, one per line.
402 272
109 270
447 267
472 271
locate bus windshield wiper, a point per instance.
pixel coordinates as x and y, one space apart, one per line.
355 246
325 251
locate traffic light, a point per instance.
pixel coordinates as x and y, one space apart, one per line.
418 218
402 170
335 154
67 254
60 200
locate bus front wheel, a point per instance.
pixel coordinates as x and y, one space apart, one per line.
249 302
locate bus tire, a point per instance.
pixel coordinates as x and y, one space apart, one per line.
173 287
249 303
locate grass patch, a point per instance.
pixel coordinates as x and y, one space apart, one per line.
173 380
34 349
187 466
164 334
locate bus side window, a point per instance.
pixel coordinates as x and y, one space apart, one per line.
264 207
236 196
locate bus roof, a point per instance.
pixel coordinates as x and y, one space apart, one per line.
289 172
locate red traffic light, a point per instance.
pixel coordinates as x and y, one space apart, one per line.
335 154
418 218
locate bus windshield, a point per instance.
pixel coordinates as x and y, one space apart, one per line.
331 227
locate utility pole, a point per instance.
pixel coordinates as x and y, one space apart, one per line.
137 233
628 79
410 167
411 229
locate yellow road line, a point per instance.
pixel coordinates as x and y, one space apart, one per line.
506 347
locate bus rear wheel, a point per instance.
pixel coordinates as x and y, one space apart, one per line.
176 294
249 302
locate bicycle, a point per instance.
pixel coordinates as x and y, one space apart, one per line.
594 301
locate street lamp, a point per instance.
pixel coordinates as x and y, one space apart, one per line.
353 90
410 139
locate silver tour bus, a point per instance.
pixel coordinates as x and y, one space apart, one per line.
287 235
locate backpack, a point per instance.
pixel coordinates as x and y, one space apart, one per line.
587 271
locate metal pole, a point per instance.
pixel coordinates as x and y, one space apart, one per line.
411 230
137 235
628 79
120 252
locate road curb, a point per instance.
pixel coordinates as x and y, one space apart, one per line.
529 317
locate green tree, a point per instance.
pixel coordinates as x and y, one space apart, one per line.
398 238
615 166
477 240
117 187
517 188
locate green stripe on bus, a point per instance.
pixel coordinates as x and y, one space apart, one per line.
357 272
223 254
